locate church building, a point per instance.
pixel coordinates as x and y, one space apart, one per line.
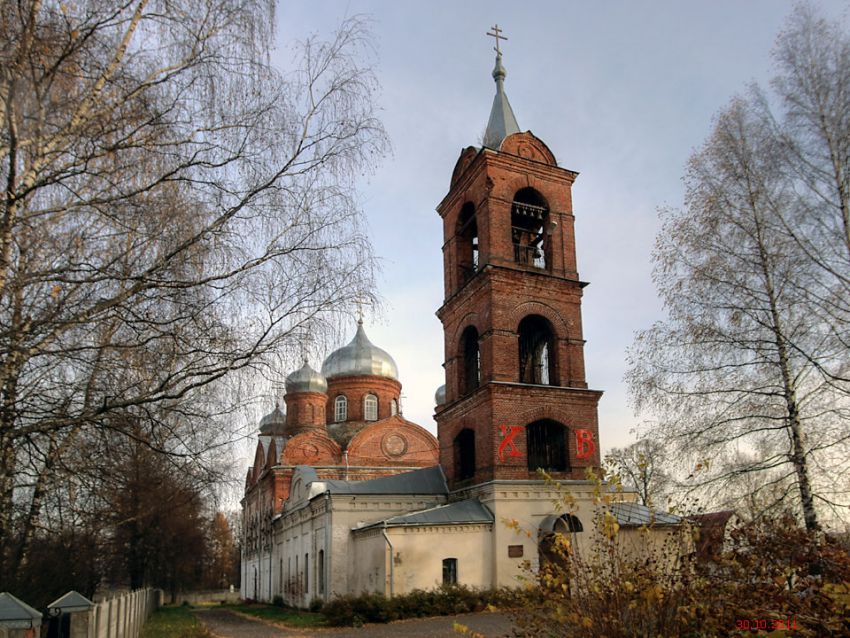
346 496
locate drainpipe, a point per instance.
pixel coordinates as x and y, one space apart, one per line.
392 566
328 552
345 456
271 565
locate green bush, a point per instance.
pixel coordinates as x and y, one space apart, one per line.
444 601
277 601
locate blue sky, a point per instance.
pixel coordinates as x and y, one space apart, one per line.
621 91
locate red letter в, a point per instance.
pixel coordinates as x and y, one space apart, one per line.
585 445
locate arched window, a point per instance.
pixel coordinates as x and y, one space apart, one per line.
546 442
464 453
370 407
471 365
530 229
340 408
553 534
393 407
467 243
536 351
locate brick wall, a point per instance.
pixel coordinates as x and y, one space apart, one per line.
497 298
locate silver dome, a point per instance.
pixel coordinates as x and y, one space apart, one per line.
440 395
305 379
360 357
273 422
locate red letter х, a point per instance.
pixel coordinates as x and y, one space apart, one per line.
509 433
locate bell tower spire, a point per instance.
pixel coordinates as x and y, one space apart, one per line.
502 120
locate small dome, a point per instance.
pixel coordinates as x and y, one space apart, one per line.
360 357
440 395
273 423
305 379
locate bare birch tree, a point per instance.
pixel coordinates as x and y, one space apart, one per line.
752 362
173 211
642 467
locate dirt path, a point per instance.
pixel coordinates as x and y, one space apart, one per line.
228 625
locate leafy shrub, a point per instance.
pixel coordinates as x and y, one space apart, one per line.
277 601
443 601
772 572
316 605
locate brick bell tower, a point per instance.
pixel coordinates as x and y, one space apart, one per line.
515 398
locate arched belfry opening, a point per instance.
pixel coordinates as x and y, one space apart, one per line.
467 243
537 351
464 454
547 446
529 229
470 369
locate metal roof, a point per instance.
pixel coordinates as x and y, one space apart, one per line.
463 512
273 422
70 602
359 357
16 614
429 480
502 120
305 379
636 515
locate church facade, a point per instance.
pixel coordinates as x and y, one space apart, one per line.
346 496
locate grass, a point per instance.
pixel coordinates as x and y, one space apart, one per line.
283 615
173 622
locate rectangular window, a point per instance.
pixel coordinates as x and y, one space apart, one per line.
450 571
306 573
321 574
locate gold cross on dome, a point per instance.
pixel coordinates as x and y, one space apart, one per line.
496 33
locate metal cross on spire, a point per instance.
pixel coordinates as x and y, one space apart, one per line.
360 302
496 33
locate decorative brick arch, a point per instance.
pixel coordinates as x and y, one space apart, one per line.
557 199
469 319
311 448
523 310
466 156
545 412
394 441
529 146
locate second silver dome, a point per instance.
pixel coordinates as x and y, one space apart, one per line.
305 379
360 357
